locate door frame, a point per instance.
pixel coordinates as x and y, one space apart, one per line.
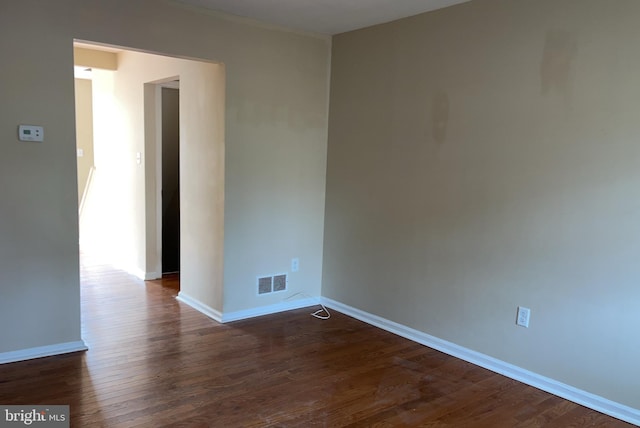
153 176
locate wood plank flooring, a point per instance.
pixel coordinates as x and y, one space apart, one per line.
154 362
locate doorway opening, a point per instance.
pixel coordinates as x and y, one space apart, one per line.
170 177
155 204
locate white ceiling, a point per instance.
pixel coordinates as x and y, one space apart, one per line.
323 16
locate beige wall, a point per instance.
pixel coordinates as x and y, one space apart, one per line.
275 152
87 57
483 157
84 132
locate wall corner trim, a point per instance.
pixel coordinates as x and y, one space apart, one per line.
148 276
568 392
246 313
140 274
200 307
270 309
42 351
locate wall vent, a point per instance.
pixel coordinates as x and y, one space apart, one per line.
279 283
265 285
272 284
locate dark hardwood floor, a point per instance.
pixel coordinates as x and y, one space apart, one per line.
154 362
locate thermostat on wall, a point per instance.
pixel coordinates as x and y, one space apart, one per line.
31 133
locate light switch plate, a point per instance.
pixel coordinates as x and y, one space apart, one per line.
31 133
523 316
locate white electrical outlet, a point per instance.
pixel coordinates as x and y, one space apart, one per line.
295 265
523 316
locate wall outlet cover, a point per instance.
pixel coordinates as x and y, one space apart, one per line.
523 316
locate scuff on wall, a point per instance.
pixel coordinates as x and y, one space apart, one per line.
440 116
556 68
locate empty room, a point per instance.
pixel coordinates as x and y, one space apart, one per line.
391 213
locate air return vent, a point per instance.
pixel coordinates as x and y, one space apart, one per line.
279 283
272 284
265 285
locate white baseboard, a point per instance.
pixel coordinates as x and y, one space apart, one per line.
200 307
271 309
246 313
148 276
42 351
568 392
145 276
